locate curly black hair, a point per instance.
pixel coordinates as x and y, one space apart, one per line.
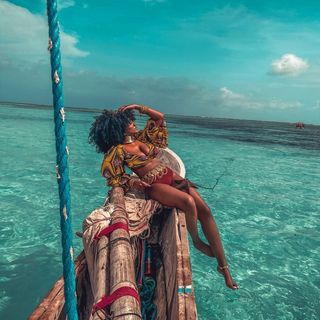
109 128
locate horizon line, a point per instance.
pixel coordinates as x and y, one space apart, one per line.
97 110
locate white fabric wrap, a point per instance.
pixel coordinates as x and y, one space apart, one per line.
139 213
97 251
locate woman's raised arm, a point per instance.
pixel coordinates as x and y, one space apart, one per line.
153 114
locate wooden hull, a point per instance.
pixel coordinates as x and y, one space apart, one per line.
177 299
52 306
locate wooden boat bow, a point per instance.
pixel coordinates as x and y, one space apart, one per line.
180 299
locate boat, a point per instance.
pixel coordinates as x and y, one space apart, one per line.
174 294
299 125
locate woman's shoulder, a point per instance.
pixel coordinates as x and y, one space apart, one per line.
113 159
114 150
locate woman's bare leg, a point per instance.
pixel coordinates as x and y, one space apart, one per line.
211 232
209 227
172 197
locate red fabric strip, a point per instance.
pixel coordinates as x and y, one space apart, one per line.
106 301
106 231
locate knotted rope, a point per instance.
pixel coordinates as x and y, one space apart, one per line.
147 284
62 161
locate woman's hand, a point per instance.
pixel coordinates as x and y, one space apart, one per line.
153 114
130 107
138 184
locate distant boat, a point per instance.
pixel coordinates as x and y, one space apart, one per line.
299 125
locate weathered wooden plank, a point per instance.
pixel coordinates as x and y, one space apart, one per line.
189 297
179 274
167 241
50 307
122 272
40 311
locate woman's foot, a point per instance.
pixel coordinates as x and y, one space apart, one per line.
203 247
227 277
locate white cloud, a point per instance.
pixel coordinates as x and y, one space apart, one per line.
172 95
283 105
232 99
227 94
289 64
27 40
63 4
68 46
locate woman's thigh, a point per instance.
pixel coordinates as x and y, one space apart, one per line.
170 197
202 207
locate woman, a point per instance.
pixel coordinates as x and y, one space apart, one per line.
114 133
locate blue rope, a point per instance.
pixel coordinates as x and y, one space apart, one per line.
62 162
148 308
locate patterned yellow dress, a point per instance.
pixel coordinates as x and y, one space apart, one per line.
154 135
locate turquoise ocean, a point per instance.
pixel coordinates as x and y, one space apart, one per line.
266 202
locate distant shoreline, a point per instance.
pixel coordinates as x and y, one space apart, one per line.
27 105
46 107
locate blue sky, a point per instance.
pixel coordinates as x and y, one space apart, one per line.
233 59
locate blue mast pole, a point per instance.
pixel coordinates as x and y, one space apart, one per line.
62 162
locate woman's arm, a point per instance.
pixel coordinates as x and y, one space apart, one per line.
155 131
112 167
153 114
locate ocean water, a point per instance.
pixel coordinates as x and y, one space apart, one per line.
266 202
